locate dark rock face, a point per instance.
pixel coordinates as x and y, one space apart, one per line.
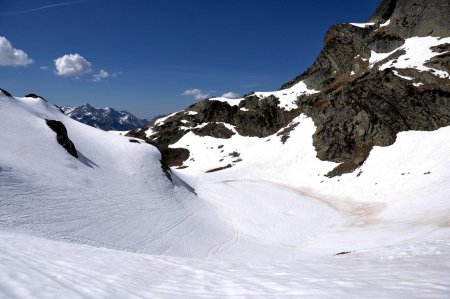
106 118
372 110
358 106
442 61
384 10
384 42
263 117
171 157
414 17
216 130
62 137
343 44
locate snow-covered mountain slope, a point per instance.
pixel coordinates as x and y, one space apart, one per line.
263 214
106 119
114 195
258 218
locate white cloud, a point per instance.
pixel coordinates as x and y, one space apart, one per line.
44 68
11 56
72 65
231 95
198 94
102 74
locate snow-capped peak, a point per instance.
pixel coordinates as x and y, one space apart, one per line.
104 118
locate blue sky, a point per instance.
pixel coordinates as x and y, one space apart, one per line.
153 51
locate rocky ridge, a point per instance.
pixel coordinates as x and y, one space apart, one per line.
370 82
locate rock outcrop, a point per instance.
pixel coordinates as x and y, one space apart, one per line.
35 96
6 93
62 137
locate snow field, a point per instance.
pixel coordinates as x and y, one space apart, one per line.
269 226
44 268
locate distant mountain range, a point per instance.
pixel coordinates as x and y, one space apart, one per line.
104 118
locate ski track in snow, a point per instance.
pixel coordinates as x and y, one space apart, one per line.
225 246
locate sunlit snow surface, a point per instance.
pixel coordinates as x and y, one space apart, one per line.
362 25
287 97
38 268
110 224
115 195
417 52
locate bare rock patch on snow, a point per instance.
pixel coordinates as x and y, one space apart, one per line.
62 137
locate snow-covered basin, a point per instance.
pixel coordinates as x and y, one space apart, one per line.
401 193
